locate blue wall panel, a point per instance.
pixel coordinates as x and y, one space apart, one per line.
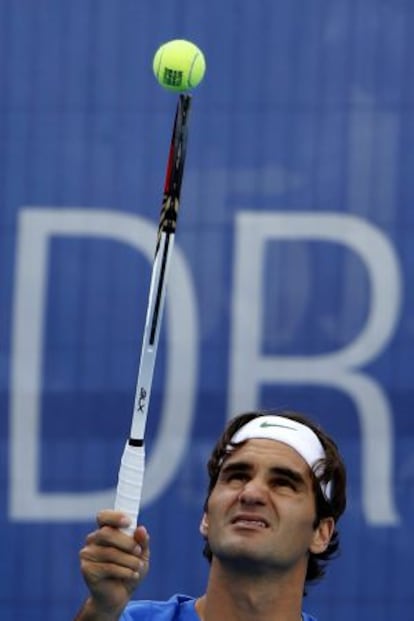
306 112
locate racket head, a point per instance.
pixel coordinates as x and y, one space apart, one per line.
175 167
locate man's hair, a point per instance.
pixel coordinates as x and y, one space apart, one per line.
332 469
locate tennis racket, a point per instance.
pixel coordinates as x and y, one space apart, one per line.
131 471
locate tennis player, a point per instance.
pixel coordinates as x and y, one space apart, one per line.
276 492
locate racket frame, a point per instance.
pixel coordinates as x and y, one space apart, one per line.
131 471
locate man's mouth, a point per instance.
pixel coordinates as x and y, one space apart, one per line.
250 521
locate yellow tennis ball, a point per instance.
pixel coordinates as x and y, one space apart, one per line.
179 65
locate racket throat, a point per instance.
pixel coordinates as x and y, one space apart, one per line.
160 290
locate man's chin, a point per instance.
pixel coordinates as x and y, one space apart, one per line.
243 560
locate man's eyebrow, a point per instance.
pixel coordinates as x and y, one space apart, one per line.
236 465
289 473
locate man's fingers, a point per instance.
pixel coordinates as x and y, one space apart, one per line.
112 536
97 572
108 517
103 554
142 539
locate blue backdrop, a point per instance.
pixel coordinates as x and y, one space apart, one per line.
292 281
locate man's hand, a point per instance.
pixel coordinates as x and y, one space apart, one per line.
113 564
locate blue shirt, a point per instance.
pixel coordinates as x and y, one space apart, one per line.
177 608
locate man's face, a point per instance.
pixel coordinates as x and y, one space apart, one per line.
261 512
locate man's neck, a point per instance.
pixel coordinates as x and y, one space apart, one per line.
235 596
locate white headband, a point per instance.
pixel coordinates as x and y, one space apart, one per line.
296 435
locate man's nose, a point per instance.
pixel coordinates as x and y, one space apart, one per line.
253 492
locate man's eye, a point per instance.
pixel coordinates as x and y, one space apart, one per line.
284 482
236 476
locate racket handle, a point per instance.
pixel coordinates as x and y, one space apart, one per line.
130 480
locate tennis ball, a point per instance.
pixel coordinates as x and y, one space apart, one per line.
179 65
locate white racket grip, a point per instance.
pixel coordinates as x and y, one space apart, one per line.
130 481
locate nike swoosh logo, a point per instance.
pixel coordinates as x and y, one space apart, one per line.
264 425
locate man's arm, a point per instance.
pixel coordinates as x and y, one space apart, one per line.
112 564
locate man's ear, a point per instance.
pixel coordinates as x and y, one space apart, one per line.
204 525
322 535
